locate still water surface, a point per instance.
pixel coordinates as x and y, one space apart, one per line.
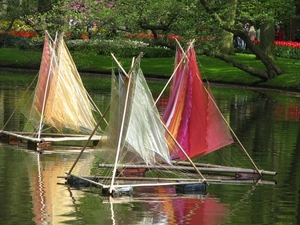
266 122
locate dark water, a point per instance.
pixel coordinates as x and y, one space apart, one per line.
266 122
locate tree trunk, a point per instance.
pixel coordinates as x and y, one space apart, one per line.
271 69
267 39
262 74
226 43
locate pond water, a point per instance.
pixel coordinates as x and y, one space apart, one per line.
266 122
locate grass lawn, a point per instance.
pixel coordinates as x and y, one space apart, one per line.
212 69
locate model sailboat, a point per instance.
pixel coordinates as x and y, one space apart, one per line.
195 121
191 114
60 102
142 150
137 152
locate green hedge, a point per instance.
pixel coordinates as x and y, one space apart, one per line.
121 48
125 48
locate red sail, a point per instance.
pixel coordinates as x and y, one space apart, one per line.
191 114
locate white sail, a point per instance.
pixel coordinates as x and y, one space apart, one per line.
143 135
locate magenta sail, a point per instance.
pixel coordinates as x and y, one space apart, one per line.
192 115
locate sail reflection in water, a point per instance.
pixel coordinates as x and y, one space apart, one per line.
52 201
266 122
162 205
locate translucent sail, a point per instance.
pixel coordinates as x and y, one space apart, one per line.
191 114
143 135
60 99
45 74
68 104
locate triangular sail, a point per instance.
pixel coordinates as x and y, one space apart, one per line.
60 99
136 142
191 114
142 134
45 74
137 152
68 104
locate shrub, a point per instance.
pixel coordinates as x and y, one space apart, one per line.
120 48
8 40
287 49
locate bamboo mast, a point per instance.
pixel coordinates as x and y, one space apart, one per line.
86 143
173 138
47 86
123 117
180 62
234 134
90 137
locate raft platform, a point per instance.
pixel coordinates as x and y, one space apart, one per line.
238 173
193 188
46 139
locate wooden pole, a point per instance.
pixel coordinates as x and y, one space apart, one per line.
86 143
86 179
175 70
123 117
206 165
182 150
190 168
53 58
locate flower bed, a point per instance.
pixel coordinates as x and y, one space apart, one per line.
284 49
287 49
24 34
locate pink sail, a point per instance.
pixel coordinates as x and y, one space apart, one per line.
191 114
44 73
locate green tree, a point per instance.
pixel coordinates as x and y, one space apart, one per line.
10 10
247 11
45 5
187 18
212 23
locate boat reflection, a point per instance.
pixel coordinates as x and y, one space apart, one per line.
163 205
52 201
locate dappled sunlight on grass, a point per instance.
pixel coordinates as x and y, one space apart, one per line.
212 69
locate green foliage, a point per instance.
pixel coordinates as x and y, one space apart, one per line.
120 48
287 52
257 12
11 10
7 40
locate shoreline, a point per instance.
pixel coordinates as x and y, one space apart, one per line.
158 78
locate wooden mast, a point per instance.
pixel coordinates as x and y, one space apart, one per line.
123 117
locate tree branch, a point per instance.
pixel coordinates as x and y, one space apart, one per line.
249 69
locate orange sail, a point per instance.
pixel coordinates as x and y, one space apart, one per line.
60 99
191 114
